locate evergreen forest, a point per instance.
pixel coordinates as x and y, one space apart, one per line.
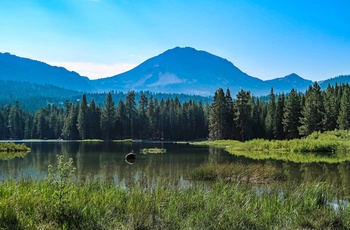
142 116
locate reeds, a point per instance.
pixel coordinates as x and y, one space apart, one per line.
332 146
9 150
238 173
152 150
13 147
29 204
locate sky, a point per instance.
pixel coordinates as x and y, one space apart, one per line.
101 38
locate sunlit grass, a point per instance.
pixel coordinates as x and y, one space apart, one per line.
9 150
328 147
92 140
124 141
152 150
237 173
29 204
58 202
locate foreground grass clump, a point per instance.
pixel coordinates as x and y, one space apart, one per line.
332 147
238 173
152 150
31 204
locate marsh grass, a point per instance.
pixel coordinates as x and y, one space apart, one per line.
28 204
124 141
92 140
330 147
13 147
9 150
238 173
58 202
152 150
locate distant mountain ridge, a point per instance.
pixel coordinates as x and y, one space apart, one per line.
178 70
26 70
187 70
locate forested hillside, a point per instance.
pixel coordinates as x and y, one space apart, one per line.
32 97
244 117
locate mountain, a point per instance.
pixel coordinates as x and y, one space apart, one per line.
182 70
15 68
285 84
342 79
178 71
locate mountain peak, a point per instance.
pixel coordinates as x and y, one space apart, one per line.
182 70
293 76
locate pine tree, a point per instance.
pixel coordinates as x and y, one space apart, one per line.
83 119
94 120
54 122
270 124
229 115
344 114
15 123
70 130
291 115
142 116
331 107
108 116
121 120
28 126
243 108
151 117
130 109
217 126
40 126
279 132
313 111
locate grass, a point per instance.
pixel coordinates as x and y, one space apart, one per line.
124 141
92 140
13 147
152 150
330 147
238 173
29 204
58 202
9 150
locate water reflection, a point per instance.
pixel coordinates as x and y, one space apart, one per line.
107 161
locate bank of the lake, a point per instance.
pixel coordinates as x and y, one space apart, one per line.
331 147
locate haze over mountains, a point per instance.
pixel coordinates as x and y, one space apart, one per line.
178 70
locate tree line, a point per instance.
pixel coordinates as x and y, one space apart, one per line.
282 117
147 118
244 117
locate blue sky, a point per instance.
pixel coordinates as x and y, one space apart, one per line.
100 38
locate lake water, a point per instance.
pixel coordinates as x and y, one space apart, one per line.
105 160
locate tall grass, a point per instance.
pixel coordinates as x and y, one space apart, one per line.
58 202
29 204
12 147
238 173
9 150
332 146
152 150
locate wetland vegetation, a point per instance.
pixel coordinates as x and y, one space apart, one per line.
9 150
330 146
60 202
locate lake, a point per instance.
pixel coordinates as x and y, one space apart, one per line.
105 160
